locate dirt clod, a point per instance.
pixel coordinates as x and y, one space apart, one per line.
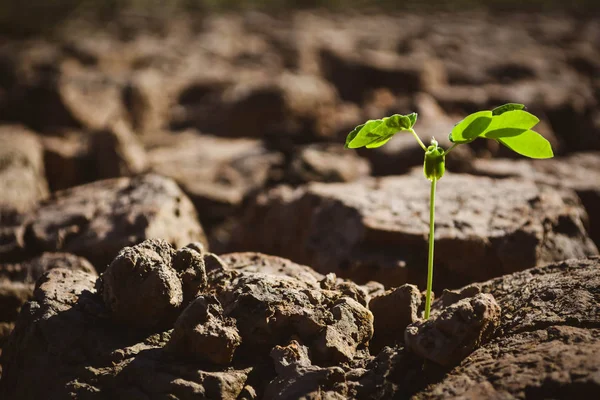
447 338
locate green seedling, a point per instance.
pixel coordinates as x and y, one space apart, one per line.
509 125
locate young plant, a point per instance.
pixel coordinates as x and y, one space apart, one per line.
508 124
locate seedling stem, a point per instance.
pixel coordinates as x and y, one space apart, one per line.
431 241
418 139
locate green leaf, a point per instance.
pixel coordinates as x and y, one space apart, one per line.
471 127
529 143
504 132
377 132
516 119
507 107
369 132
413 119
352 135
379 142
400 122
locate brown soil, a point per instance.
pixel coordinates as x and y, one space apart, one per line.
142 171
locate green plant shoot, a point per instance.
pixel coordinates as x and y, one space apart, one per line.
508 124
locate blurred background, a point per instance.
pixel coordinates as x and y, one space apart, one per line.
229 97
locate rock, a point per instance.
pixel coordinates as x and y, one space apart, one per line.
251 262
202 332
17 280
325 163
22 186
191 264
74 158
22 181
140 288
558 361
310 102
262 263
147 103
5 329
68 161
12 297
579 172
216 173
118 152
557 294
51 92
546 338
65 344
354 74
545 345
283 107
393 311
91 98
290 357
30 271
64 341
449 337
268 308
377 229
98 219
298 378
12 237
394 373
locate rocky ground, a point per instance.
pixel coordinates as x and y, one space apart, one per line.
147 171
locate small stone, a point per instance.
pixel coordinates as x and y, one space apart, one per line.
203 333
140 288
393 311
189 263
449 337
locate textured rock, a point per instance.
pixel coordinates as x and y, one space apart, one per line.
63 340
191 263
393 311
117 152
98 219
69 331
578 171
281 107
268 308
558 294
202 332
22 181
545 347
76 157
22 186
325 163
298 378
556 362
354 74
377 229
140 288
68 160
17 281
449 337
216 173
146 101
51 92
90 98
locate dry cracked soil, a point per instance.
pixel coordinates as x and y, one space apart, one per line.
179 219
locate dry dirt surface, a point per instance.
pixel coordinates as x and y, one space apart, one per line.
179 218
166 323
377 229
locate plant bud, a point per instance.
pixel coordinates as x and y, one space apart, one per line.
435 163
